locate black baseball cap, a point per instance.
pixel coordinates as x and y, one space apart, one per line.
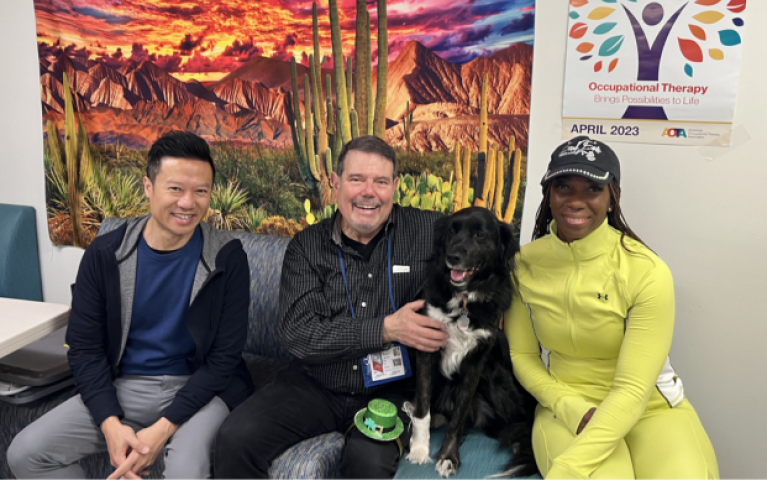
585 157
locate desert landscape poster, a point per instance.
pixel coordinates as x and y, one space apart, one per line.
276 87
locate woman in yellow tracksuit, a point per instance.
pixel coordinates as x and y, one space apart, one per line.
590 332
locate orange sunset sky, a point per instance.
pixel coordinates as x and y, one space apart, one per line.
207 39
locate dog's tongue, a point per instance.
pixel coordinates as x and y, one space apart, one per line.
457 275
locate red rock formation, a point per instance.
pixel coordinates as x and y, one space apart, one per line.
101 71
199 90
79 79
113 94
52 94
509 76
271 73
233 109
141 101
423 78
442 134
128 67
150 82
253 96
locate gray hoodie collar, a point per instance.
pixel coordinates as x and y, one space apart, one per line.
212 238
212 241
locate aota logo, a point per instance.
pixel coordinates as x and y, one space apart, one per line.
674 132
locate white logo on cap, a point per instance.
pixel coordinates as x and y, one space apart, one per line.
583 147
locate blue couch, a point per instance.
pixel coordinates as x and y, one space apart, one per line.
314 458
319 457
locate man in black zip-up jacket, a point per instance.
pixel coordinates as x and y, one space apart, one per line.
158 323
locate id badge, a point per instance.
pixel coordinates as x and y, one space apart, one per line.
386 366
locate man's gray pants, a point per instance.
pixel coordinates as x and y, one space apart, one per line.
51 446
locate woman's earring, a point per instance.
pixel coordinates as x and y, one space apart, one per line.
609 210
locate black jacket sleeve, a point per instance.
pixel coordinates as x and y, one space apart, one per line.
225 352
87 339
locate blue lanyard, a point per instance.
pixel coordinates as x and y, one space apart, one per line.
389 269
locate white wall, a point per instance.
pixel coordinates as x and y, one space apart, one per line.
704 211
21 141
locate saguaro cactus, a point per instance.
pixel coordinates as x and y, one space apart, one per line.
369 62
479 186
499 186
362 65
297 129
466 178
72 158
331 119
349 82
317 70
488 192
483 116
407 122
345 130
319 117
516 174
379 122
355 123
458 168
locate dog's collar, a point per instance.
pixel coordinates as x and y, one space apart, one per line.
463 299
463 316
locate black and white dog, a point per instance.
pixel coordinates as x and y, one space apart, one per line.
469 381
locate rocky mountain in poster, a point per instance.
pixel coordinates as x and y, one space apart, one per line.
136 103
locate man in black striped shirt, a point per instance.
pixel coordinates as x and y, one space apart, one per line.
347 290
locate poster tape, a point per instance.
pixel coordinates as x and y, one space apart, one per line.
738 136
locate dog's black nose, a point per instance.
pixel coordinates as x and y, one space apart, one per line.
453 259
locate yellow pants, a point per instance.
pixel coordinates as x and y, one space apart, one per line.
665 443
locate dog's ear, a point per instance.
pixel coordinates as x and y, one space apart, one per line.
508 246
440 236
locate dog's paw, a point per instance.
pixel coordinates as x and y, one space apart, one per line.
419 455
446 467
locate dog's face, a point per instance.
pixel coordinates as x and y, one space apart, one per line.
472 240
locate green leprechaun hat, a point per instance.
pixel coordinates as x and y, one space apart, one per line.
379 420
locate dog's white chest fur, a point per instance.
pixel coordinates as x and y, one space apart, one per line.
461 341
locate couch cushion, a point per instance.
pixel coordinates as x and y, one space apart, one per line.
265 254
318 457
480 458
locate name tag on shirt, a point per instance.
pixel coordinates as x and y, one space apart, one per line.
386 366
401 269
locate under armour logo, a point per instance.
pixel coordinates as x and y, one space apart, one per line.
599 296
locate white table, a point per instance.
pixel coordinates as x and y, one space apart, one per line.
23 322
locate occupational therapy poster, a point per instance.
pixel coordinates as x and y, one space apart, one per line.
115 75
661 71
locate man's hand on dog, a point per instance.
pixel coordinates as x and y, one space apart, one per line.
410 328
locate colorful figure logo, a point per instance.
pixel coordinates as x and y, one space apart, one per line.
649 53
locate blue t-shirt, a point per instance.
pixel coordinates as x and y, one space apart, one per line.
159 341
